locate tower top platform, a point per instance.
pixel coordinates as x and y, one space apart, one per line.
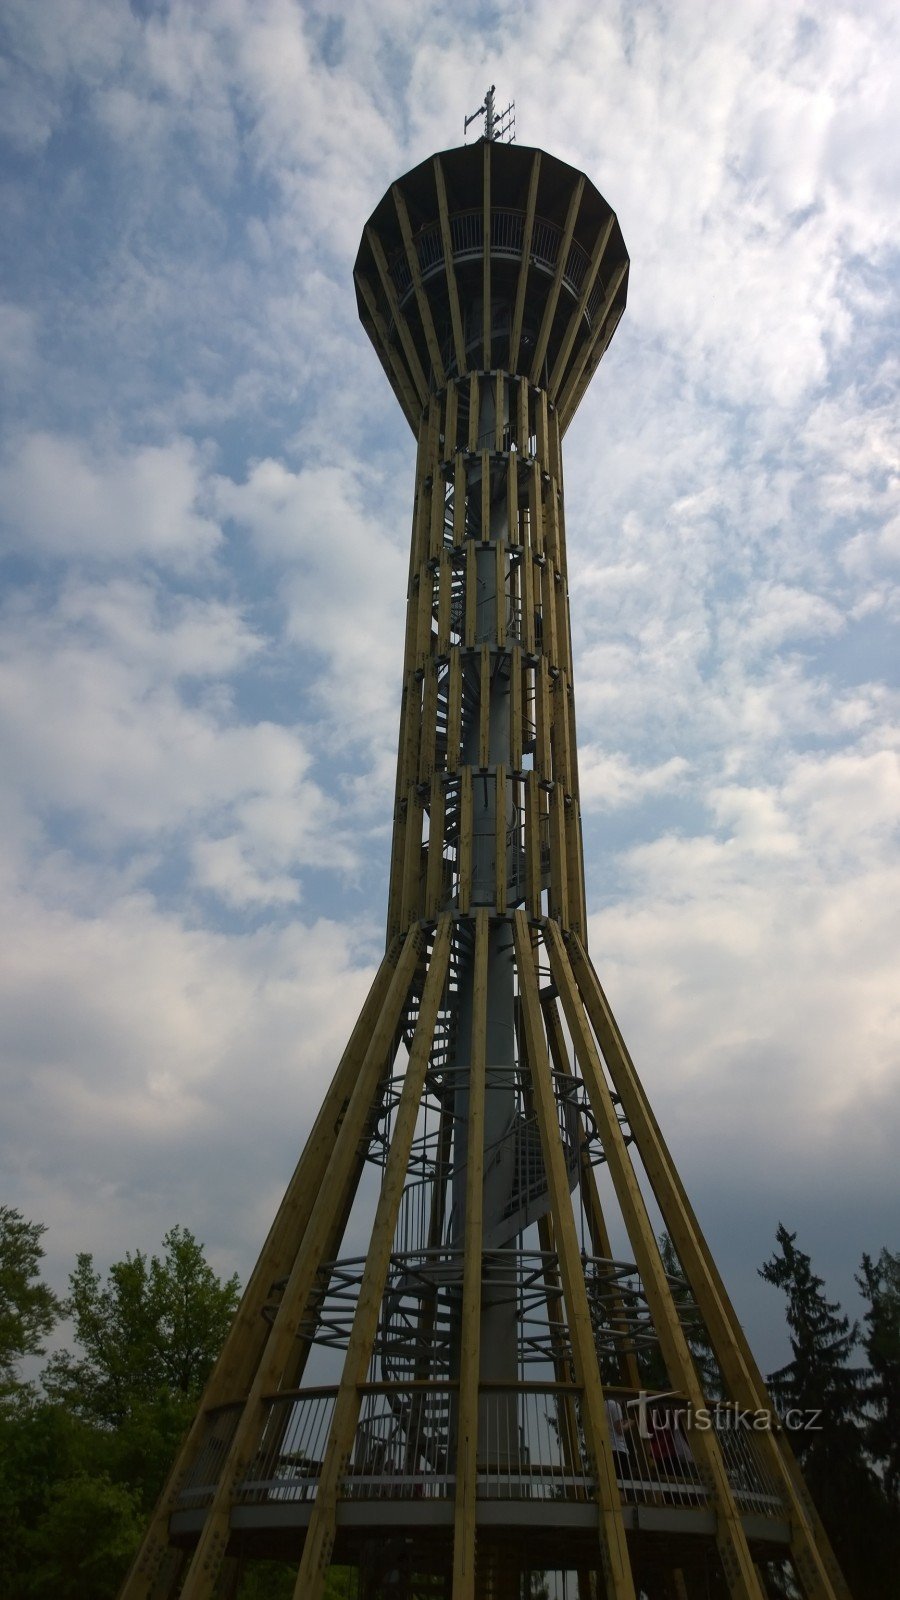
491 256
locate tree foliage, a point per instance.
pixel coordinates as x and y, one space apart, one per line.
28 1308
149 1334
879 1283
824 1397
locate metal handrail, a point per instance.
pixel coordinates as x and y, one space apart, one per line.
507 239
531 1447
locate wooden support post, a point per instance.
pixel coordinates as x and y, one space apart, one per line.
560 733
459 343
532 846
429 723
464 896
434 878
484 709
601 1243
486 277
471 618
542 720
535 517
523 427
611 1529
459 502
400 322
568 398
474 409
449 447
500 868
548 612
454 711
516 754
512 498
590 278
470 1331
559 877
542 429
320 1534
540 349
412 860
422 301
410 400
445 577
500 554
515 332
528 639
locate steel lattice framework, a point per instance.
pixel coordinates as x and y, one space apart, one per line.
505 1395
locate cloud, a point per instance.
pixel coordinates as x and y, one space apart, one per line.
343 584
65 499
107 738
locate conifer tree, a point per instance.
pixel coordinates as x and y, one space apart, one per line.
879 1283
822 1398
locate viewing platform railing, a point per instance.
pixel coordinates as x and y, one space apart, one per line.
532 1448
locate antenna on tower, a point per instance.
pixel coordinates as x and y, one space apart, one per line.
497 125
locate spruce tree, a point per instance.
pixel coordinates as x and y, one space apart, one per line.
879 1283
822 1398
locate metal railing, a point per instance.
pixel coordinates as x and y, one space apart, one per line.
507 237
531 1447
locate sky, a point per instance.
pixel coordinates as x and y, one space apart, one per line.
205 498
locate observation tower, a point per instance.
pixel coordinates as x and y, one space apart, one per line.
463 1366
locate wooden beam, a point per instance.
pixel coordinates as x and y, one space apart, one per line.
571 386
420 382
590 1194
434 878
422 301
459 342
464 1534
454 711
484 708
409 400
486 278
464 896
500 872
515 332
590 278
540 349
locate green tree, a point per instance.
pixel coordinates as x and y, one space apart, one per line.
150 1333
82 1544
28 1308
824 1396
879 1283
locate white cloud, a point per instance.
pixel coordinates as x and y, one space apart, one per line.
63 497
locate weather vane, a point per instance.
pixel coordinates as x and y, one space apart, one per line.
497 125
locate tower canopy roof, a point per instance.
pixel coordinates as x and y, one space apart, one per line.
491 256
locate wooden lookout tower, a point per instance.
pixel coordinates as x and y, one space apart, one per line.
443 1379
